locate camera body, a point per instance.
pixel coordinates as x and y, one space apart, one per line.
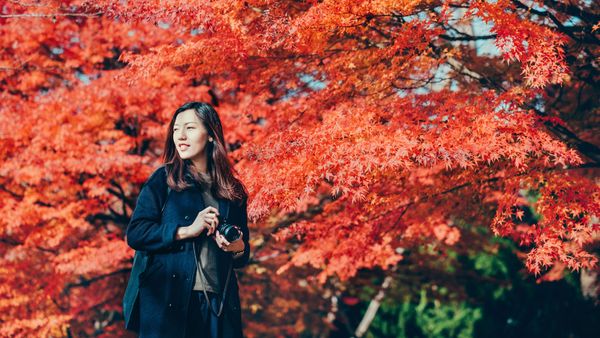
229 231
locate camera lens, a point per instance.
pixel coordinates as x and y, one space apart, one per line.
229 232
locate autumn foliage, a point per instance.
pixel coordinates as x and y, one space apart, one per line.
362 129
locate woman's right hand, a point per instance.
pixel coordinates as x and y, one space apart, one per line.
205 220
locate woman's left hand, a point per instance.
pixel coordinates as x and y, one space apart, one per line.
237 245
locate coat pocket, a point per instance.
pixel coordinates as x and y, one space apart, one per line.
150 270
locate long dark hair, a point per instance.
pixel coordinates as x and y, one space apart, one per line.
220 178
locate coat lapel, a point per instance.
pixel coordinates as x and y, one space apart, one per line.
223 208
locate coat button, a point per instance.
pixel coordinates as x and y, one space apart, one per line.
187 217
173 275
170 305
181 247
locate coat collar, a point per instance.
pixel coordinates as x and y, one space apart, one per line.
224 204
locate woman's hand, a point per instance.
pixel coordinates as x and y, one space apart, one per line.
225 245
206 219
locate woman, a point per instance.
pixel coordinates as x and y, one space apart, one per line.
183 286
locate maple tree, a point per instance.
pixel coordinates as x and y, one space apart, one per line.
362 129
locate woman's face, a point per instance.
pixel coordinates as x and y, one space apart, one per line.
190 136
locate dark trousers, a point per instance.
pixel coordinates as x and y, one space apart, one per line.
201 321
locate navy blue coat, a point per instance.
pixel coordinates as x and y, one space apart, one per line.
166 285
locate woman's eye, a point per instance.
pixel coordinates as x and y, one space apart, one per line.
190 127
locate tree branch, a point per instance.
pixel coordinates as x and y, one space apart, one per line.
573 10
590 150
586 38
373 307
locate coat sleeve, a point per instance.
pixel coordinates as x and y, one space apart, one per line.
146 230
242 261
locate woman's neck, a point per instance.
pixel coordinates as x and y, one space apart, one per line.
200 166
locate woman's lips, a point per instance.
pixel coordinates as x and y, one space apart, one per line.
184 147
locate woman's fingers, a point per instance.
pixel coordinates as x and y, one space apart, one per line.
221 241
211 221
211 209
225 241
208 226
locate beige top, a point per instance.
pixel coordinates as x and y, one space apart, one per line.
209 251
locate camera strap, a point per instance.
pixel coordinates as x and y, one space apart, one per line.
201 271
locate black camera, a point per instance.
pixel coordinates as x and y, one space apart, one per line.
229 231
